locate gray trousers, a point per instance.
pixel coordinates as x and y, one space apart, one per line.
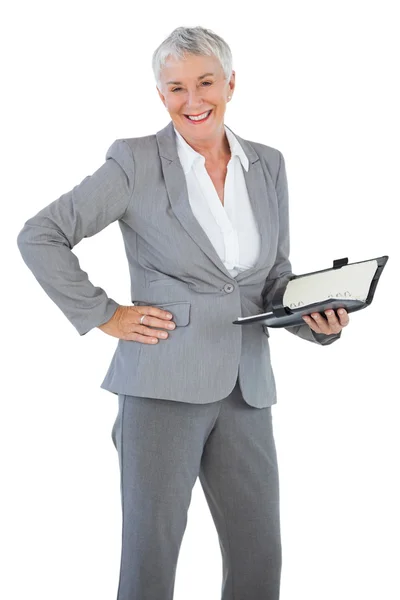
163 446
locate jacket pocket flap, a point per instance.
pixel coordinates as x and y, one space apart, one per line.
180 310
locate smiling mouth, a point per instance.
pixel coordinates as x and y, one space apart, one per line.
199 120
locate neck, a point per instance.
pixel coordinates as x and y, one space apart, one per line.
214 149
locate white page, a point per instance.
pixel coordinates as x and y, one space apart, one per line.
349 282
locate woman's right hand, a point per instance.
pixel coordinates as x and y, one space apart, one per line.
125 324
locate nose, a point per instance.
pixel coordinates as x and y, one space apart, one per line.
194 99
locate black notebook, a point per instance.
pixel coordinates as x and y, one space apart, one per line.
346 285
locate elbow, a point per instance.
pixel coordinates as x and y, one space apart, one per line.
26 237
26 244
22 240
33 234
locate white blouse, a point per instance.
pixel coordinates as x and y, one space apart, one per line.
232 228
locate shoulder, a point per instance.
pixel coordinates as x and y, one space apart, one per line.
122 150
129 145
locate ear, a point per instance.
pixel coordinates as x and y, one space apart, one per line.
232 81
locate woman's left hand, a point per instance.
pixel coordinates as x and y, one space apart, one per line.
319 324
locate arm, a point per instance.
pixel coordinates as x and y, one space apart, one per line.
46 239
282 268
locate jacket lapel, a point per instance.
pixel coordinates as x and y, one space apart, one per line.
175 182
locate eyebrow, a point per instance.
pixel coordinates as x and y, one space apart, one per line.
180 82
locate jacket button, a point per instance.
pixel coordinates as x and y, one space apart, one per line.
228 288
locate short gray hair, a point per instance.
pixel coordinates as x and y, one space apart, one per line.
192 40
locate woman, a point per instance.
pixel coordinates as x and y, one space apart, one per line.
204 217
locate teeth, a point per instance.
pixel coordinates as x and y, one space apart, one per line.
200 117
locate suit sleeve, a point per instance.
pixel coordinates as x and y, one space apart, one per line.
282 268
46 239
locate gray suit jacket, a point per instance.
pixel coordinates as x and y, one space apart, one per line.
173 265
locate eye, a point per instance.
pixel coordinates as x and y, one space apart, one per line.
178 88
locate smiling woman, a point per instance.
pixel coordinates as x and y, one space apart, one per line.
204 218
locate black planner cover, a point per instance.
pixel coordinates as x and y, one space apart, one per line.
346 285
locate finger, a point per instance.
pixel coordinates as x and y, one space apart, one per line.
148 331
153 317
322 323
154 311
343 317
333 322
313 323
144 339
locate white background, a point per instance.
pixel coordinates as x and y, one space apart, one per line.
318 81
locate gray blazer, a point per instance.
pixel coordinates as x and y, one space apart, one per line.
173 265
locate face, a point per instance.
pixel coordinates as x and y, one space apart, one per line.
192 92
